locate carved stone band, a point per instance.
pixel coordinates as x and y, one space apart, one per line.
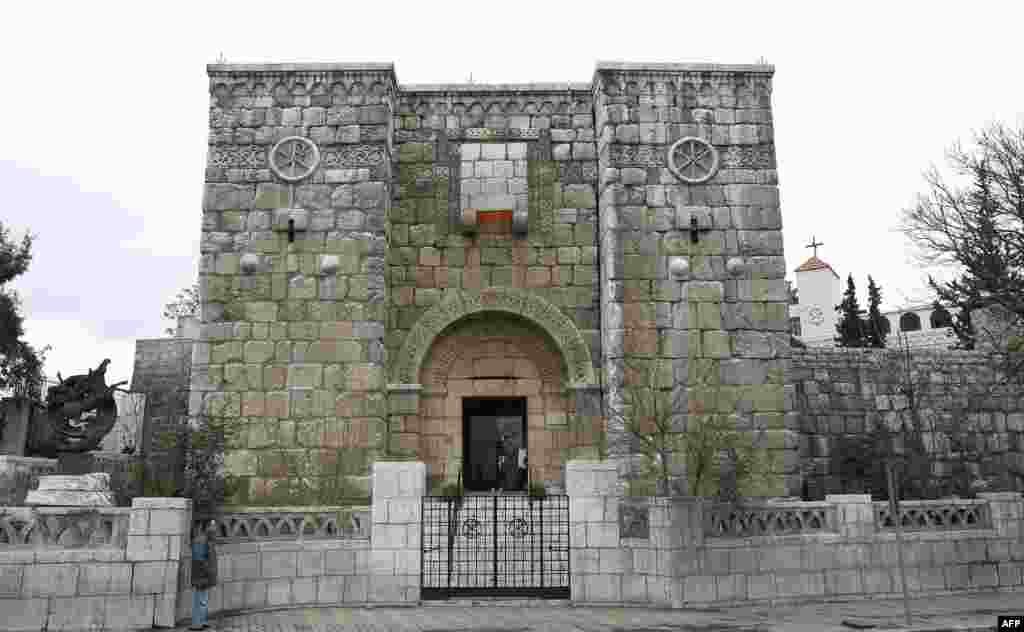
693 160
294 158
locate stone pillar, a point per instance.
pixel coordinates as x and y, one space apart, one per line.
855 515
19 474
1007 509
598 564
158 534
398 489
16 413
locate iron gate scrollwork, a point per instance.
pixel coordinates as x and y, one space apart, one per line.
495 545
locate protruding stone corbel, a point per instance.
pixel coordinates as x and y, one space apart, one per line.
292 220
679 267
735 266
520 221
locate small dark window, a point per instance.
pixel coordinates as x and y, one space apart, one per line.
794 326
941 318
910 322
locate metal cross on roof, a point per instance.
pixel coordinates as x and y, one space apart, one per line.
814 244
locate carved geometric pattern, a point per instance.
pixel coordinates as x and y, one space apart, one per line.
294 158
354 156
577 172
64 527
639 155
693 160
748 157
238 156
728 521
275 525
559 327
917 516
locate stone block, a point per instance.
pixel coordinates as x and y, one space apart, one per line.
244 566
77 613
129 612
761 586
340 562
50 580
330 589
731 587
278 563
602 534
699 588
382 562
603 588
357 589
105 579
279 592
389 536
984 575
310 563
10 579
843 582
255 594
878 581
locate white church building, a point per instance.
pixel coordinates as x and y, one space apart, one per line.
813 320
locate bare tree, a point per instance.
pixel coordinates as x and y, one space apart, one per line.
664 425
978 227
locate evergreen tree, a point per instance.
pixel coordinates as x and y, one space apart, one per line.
21 365
850 327
877 326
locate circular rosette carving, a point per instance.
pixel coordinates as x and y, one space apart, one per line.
294 158
693 160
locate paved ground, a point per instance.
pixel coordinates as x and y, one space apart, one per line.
963 612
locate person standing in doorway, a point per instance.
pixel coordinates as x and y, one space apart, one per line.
204 574
509 466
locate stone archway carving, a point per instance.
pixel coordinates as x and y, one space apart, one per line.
550 319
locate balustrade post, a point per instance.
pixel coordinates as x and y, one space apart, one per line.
855 515
1005 510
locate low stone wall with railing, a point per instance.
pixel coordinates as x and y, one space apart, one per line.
89 568
685 552
279 557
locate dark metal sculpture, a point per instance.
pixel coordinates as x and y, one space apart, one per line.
77 415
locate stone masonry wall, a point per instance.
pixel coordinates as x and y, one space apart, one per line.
162 375
711 316
293 325
495 189
841 393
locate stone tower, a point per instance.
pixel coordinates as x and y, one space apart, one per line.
417 271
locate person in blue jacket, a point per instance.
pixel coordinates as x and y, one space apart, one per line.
204 574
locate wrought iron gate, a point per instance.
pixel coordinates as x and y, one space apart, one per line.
495 545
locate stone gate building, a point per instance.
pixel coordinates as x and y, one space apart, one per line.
422 271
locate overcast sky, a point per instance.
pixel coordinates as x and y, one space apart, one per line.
104 119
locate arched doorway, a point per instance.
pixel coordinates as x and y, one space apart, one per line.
482 374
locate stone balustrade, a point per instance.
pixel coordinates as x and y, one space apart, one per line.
694 552
290 523
64 527
75 568
918 515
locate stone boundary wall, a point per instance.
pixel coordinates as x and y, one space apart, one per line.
125 587
256 576
837 392
19 474
382 569
677 566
